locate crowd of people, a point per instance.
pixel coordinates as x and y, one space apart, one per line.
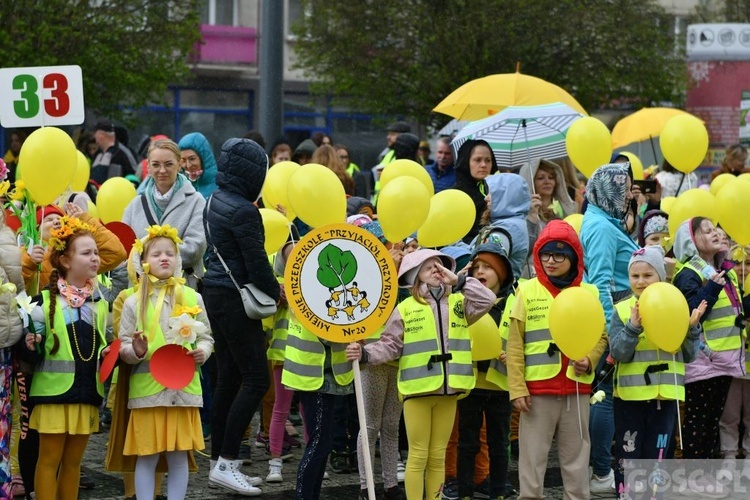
446 425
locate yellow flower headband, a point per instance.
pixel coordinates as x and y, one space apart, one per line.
69 226
155 231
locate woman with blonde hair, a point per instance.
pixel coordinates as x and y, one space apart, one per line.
326 155
735 159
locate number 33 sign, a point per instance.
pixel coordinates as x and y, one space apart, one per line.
40 96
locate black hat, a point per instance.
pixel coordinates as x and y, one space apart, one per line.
104 125
400 127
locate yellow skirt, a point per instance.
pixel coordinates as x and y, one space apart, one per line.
155 430
65 419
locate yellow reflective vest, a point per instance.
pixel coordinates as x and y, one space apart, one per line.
424 366
498 372
652 373
719 327
542 361
142 383
277 345
55 374
306 357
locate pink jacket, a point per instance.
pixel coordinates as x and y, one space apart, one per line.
478 300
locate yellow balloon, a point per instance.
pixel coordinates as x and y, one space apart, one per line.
576 321
275 228
684 142
92 210
82 174
276 187
745 176
665 315
451 217
317 195
485 339
720 181
113 196
49 162
635 165
403 206
589 144
410 168
575 220
667 203
692 203
731 208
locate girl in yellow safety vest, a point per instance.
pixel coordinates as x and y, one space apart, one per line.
705 274
68 341
162 311
648 381
429 334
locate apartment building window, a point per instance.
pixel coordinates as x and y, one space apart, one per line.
220 12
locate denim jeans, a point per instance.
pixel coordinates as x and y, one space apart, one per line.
602 426
345 424
494 407
317 409
242 370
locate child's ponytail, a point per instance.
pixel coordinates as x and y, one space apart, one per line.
53 292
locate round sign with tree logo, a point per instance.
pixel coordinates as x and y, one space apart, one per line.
341 283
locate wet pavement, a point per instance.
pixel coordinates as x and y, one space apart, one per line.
337 487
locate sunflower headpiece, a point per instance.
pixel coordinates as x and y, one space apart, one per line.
68 227
165 231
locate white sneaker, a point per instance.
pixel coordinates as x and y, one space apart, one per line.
274 471
325 475
400 471
745 474
251 480
604 484
227 473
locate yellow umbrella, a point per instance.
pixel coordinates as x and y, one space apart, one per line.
642 125
486 96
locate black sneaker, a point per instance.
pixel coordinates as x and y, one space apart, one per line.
510 491
450 489
482 490
393 493
85 483
339 462
353 463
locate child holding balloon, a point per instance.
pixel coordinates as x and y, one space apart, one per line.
706 275
489 400
545 385
648 380
164 419
428 333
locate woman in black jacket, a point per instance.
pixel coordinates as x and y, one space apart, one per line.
474 164
234 229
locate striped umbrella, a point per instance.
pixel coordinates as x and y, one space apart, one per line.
520 134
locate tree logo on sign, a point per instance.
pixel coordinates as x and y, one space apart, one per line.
336 272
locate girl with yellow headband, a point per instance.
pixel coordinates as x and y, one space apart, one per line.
162 311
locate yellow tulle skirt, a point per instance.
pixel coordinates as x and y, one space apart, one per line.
155 430
65 419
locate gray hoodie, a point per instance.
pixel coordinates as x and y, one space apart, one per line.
510 203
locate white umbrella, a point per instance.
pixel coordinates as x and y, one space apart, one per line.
521 134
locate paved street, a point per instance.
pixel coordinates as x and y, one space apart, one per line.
338 487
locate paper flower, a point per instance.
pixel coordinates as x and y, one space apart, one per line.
3 170
25 306
185 329
19 192
138 247
4 187
165 231
68 227
738 253
8 288
191 311
598 397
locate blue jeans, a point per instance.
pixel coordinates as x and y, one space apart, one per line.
317 409
602 426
